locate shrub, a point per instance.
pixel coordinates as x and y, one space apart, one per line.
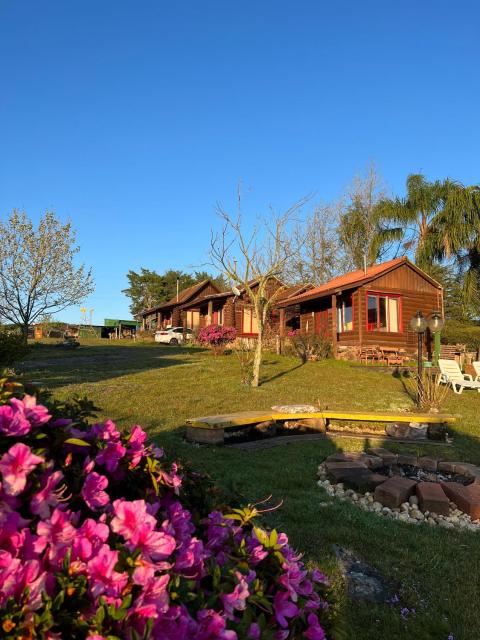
425 392
217 337
310 347
12 348
455 332
103 538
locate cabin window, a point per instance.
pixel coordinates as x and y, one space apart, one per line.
383 312
345 314
193 319
249 321
217 317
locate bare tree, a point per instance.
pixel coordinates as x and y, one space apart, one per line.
316 253
37 271
252 259
365 234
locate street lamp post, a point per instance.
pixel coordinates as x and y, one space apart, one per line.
419 325
435 324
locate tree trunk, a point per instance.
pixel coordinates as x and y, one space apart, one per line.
24 331
257 361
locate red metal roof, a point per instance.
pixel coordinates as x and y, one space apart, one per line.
354 278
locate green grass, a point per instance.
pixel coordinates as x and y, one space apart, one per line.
437 571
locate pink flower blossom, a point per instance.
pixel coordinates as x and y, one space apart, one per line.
89 539
212 626
284 608
13 421
35 413
103 579
111 455
236 600
154 545
314 631
136 448
106 431
15 466
130 516
93 491
55 534
49 495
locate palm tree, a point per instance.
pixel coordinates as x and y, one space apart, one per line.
454 235
414 214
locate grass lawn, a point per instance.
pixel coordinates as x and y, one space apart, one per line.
437 571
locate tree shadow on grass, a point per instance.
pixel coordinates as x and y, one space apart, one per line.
54 367
280 374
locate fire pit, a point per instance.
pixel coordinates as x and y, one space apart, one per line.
406 487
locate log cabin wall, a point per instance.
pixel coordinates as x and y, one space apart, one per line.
413 291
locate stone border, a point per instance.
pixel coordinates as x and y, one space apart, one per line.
352 477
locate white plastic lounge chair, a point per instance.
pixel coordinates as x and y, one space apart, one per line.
450 373
476 366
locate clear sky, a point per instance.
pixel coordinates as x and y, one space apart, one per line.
134 118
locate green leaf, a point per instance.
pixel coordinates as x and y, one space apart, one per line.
77 441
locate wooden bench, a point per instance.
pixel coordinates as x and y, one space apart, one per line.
211 429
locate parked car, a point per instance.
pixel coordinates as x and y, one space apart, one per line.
173 335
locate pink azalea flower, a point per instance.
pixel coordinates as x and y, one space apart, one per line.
154 593
35 413
56 533
190 558
130 516
13 421
136 449
111 455
237 598
93 491
15 465
212 626
103 579
106 431
314 631
284 608
49 496
154 545
89 539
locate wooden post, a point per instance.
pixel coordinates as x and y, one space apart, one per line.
334 324
209 312
358 305
143 323
281 328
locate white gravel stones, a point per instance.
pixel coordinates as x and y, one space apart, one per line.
408 512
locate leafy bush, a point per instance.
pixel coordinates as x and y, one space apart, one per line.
455 332
217 337
310 347
12 348
103 538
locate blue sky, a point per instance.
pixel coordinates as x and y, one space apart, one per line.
134 118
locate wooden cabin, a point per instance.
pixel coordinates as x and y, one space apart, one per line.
170 313
369 308
236 311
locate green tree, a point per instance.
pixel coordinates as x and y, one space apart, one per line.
414 214
148 288
37 270
455 235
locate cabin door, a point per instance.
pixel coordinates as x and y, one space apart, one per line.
322 323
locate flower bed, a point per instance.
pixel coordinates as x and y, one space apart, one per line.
102 537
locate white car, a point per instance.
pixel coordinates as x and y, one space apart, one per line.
172 335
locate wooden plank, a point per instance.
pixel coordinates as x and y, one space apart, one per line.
252 417
258 445
224 421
